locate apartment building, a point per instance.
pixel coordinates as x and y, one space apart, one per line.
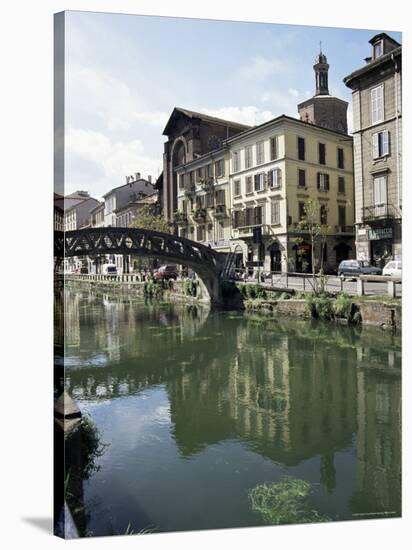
275 168
204 200
248 195
377 141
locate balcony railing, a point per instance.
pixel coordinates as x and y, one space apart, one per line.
379 212
180 218
220 211
199 214
247 230
190 188
345 229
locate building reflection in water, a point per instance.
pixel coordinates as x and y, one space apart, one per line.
289 390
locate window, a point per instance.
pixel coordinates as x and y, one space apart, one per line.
249 216
274 150
200 233
209 200
220 168
275 213
302 212
210 232
341 215
323 214
236 161
209 171
341 184
220 231
258 212
301 148
377 49
237 190
249 188
302 178
259 182
200 173
238 218
380 144
323 182
322 153
220 196
260 152
379 191
248 156
377 109
275 178
341 158
181 181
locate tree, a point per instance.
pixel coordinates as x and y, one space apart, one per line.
147 218
314 223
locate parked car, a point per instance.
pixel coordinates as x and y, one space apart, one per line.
353 268
109 269
165 272
393 269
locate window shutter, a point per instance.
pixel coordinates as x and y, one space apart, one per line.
256 182
385 142
327 182
270 178
279 173
376 145
318 180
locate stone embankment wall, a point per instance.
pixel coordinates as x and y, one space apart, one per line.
381 314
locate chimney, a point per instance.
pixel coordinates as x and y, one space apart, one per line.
368 59
149 179
137 175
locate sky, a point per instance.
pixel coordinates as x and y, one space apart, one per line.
126 73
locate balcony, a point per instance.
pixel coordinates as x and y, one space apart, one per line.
221 211
206 183
190 189
199 214
345 229
247 230
180 218
380 212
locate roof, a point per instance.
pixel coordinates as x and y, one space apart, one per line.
372 65
148 199
99 205
129 184
284 118
202 116
383 35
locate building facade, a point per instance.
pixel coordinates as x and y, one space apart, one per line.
204 200
377 134
118 197
275 169
190 135
248 196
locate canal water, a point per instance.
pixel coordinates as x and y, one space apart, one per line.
187 411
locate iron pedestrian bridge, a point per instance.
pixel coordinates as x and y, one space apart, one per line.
211 266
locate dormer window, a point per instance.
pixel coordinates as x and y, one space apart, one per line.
378 49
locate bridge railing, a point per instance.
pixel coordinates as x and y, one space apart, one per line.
93 277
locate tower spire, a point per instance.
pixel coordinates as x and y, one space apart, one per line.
321 69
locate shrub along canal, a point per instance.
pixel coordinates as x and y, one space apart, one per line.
187 413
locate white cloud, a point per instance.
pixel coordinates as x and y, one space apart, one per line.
250 114
98 163
260 68
94 92
284 102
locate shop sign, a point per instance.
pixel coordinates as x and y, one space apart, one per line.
380 233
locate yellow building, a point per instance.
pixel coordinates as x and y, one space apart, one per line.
249 195
275 168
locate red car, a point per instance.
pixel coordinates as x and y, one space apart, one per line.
165 272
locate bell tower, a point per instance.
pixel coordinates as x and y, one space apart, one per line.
323 109
321 69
